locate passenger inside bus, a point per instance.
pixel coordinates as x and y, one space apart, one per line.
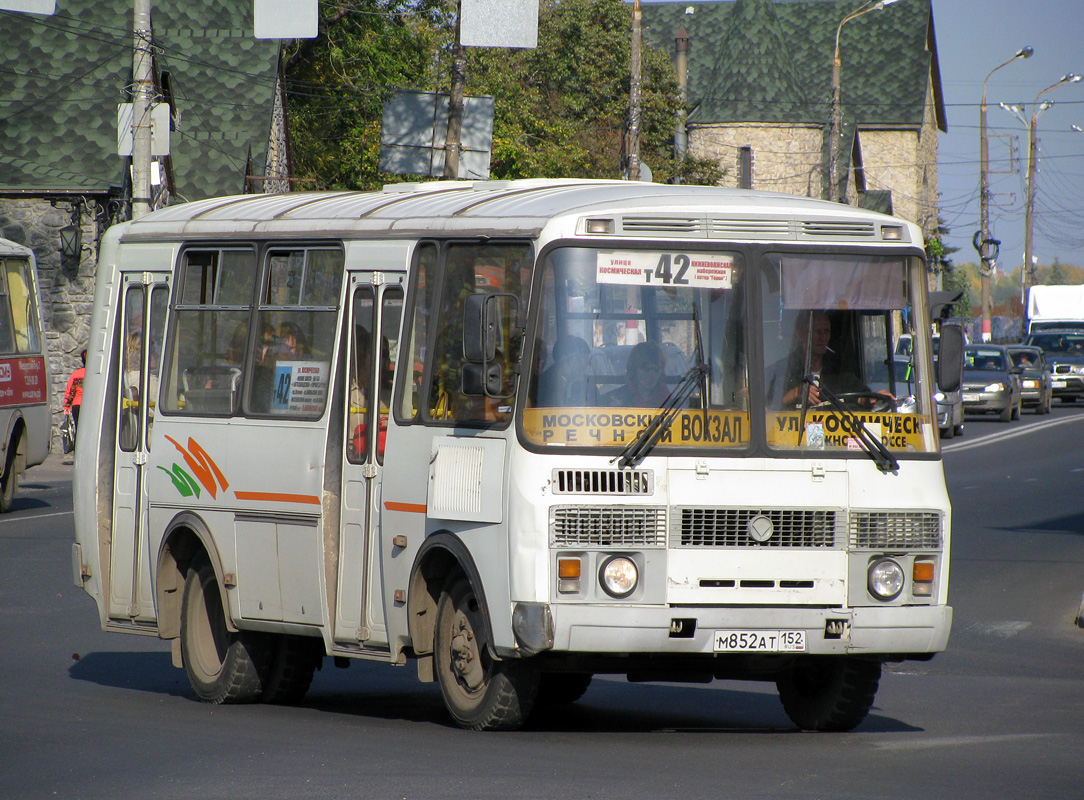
565 381
645 386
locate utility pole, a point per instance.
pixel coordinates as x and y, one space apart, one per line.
635 94
681 47
142 94
455 101
831 191
982 240
1033 158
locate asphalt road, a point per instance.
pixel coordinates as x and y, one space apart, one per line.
84 714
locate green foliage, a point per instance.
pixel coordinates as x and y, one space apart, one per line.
953 278
560 109
337 84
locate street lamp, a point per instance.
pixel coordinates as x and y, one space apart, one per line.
983 239
1033 157
832 190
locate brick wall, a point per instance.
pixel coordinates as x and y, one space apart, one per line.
67 285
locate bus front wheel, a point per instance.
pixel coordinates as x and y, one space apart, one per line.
481 693
829 693
222 666
9 480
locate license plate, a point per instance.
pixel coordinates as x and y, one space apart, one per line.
759 641
972 398
1058 384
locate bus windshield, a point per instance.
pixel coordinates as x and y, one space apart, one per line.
622 335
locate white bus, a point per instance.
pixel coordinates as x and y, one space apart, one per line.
25 420
409 426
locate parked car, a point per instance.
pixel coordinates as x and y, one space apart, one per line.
1036 382
1064 351
950 412
991 383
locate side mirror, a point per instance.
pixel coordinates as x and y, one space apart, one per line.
481 319
483 379
950 358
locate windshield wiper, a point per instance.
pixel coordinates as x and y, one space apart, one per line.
638 449
873 446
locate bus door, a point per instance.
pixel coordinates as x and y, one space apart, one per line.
375 313
144 303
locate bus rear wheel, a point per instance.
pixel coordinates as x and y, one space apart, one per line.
480 692
222 666
829 693
290 672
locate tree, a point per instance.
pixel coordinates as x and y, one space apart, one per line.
953 279
560 109
336 85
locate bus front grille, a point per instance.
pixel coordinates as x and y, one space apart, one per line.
607 526
746 527
907 530
603 481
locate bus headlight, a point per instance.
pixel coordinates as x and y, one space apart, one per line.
618 576
885 579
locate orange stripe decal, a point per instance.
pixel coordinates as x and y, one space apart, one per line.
276 497
413 508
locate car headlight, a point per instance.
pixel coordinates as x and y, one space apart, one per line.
994 387
885 579
1030 384
939 397
1077 369
618 576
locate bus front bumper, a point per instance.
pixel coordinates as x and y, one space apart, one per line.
875 631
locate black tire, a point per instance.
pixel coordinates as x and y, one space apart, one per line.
948 433
480 693
294 660
829 693
1044 406
561 688
222 666
9 481
1006 414
1016 410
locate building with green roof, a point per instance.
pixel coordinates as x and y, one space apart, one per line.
759 85
62 78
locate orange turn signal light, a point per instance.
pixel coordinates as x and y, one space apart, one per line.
922 572
568 568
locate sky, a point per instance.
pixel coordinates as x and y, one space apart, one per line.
974 37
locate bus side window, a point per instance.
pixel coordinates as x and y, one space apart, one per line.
391 315
296 323
7 341
20 333
210 331
417 336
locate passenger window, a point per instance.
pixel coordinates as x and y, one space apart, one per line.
18 308
472 269
204 367
417 341
295 332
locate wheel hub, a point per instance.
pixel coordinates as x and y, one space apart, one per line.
466 659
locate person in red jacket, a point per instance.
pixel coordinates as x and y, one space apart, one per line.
73 394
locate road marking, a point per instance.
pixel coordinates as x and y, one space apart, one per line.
39 516
1023 430
1002 630
927 743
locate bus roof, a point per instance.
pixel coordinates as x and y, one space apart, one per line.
10 248
522 207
